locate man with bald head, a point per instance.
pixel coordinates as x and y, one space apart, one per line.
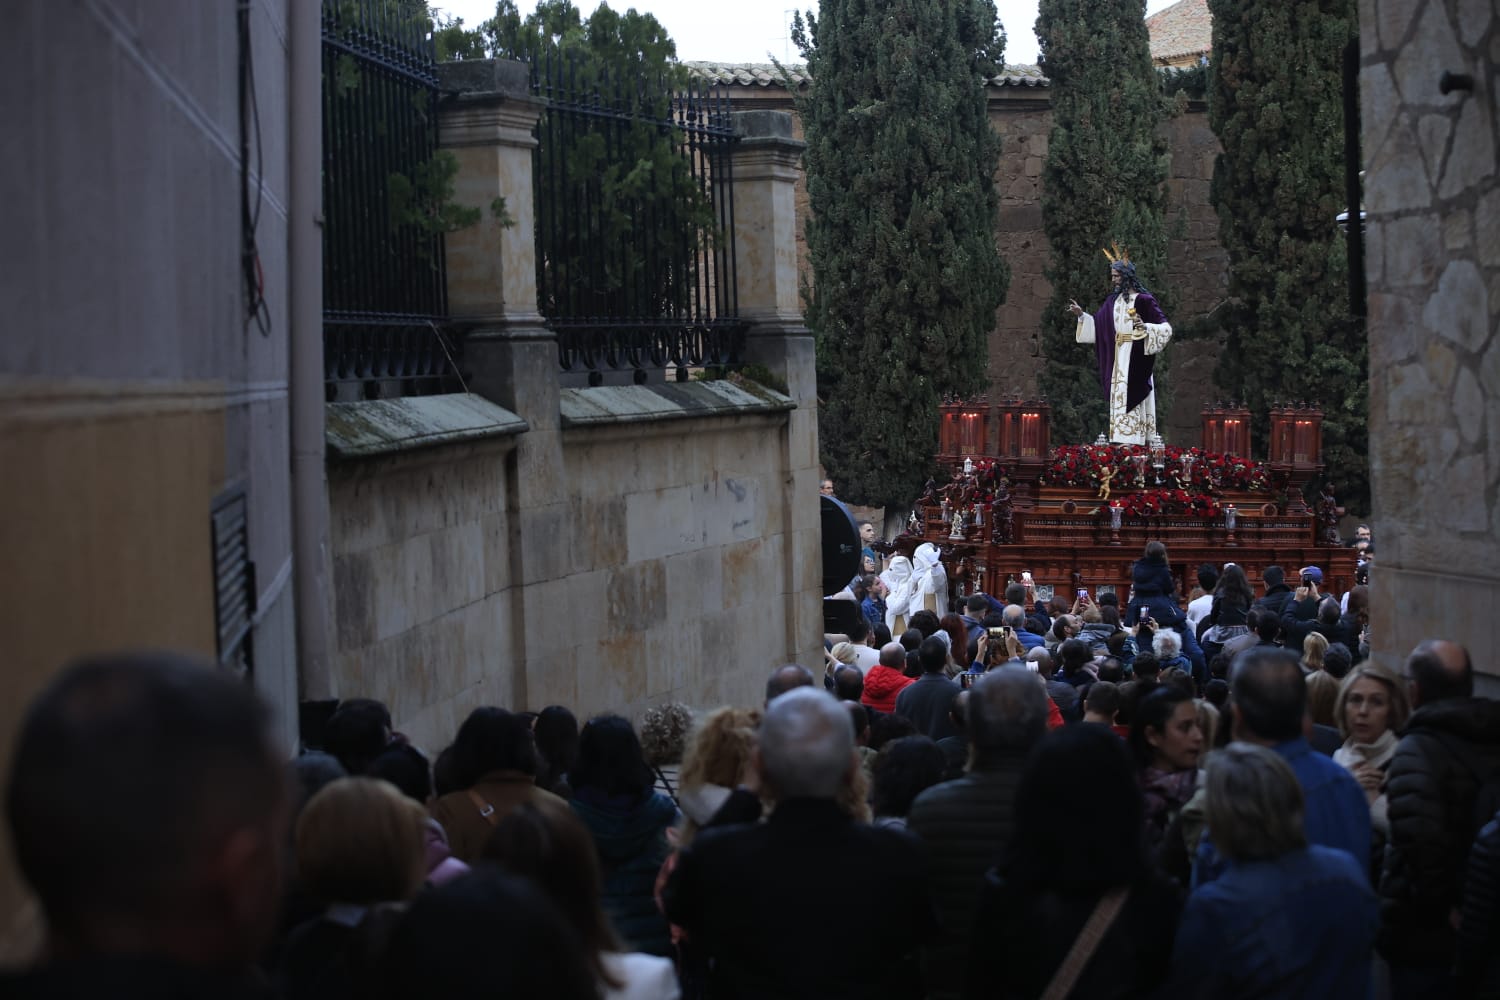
731 888
886 679
1449 752
784 679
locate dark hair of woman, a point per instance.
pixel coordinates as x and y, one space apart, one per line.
1153 712
1156 550
958 636
924 621
888 728
404 766
556 734
1359 604
1233 587
1078 790
903 770
486 934
491 739
610 759
545 841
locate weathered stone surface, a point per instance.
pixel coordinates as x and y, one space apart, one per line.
1413 250
1473 156
1432 49
1397 178
1473 21
1459 310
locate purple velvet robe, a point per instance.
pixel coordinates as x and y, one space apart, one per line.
1141 363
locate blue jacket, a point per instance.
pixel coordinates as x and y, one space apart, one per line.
1338 815
1300 926
873 608
632 842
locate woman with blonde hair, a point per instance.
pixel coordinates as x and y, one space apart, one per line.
1371 708
361 845
1313 648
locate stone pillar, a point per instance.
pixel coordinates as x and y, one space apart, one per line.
766 167
1432 266
510 354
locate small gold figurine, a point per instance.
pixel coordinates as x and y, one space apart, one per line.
1105 476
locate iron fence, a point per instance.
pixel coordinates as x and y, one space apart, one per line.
384 281
634 222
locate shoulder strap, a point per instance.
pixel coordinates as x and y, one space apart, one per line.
1086 944
485 809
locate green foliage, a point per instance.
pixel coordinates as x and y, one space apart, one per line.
424 198
638 185
900 167
454 42
1191 81
1275 102
1104 180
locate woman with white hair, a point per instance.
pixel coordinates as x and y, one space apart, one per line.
899 607
1167 645
929 581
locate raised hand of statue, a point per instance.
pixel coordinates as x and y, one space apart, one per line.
1075 308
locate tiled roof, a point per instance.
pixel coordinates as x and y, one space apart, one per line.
1183 29
767 75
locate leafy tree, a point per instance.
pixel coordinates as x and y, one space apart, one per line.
1104 181
454 42
906 276
1275 102
633 253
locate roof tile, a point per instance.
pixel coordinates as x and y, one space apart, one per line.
1183 29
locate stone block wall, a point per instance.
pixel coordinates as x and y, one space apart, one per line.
422 585
668 568
1432 193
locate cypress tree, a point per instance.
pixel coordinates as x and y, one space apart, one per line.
1104 180
906 275
1275 102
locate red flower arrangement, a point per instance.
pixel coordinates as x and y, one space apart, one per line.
1159 503
1208 471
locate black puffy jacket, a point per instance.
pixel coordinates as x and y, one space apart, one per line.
1448 749
966 824
1479 935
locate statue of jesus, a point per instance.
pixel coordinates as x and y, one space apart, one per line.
1127 332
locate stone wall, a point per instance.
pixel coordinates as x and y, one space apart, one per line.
1433 269
605 548
1022 115
662 572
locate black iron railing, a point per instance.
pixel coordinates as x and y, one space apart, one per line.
384 286
634 222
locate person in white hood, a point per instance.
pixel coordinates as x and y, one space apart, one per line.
898 603
929 581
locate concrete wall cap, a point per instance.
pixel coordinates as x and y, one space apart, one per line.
476 77
384 426
624 404
762 124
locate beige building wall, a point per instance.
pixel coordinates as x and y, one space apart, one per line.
1432 192
131 391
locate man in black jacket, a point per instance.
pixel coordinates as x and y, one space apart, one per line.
1278 594
929 702
1449 755
966 823
738 889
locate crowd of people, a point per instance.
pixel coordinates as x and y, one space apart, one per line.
1212 795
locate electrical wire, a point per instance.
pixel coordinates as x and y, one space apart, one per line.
257 310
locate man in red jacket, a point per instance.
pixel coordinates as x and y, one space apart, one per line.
886 679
